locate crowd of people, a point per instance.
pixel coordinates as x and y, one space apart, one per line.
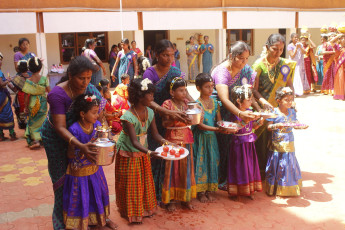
324 67
147 111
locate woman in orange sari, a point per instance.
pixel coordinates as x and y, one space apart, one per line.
328 53
339 70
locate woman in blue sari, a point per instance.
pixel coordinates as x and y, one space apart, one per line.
232 72
127 61
6 114
160 74
55 134
206 51
19 100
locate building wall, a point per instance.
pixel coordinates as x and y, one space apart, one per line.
7 43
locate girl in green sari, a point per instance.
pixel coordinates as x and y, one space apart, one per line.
272 72
36 102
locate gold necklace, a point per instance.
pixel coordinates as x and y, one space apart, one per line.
84 129
270 67
145 118
207 104
70 90
177 106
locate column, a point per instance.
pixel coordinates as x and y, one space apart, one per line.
139 38
220 45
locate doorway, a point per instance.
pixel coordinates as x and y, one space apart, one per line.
151 37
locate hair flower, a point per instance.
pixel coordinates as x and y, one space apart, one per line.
144 84
90 98
286 90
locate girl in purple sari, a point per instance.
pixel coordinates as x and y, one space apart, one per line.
243 168
85 192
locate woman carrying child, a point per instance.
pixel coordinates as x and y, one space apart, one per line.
243 168
135 191
36 102
283 174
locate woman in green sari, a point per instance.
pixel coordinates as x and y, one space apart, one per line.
272 72
36 104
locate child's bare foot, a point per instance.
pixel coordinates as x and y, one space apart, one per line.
171 207
201 197
210 196
111 225
188 205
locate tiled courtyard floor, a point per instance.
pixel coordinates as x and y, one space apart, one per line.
26 195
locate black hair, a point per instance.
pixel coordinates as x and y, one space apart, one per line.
291 36
77 66
113 46
160 47
143 64
235 50
280 94
325 37
238 92
35 64
124 76
16 49
126 41
99 88
104 82
89 42
135 92
274 38
105 89
22 66
80 104
202 78
22 40
133 42
1 56
174 44
179 82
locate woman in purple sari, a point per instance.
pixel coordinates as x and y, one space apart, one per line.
231 72
54 131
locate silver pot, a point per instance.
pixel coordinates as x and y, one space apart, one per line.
192 105
106 146
194 115
106 152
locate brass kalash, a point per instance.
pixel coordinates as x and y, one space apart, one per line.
105 144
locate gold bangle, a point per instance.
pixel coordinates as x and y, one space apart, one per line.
149 152
69 142
239 113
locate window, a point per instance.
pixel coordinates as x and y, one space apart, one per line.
72 43
236 35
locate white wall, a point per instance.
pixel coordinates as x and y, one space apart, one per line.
181 44
7 43
260 38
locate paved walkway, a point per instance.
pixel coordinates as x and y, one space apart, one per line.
27 196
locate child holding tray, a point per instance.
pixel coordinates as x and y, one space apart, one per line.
283 175
179 180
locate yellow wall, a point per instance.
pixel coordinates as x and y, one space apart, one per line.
7 43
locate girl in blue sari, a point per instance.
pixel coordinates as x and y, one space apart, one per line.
283 174
55 134
6 114
161 73
127 61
